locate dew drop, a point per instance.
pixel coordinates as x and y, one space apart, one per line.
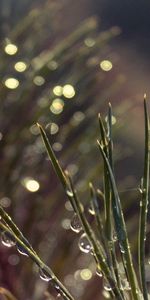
115 237
75 224
69 193
58 296
137 291
56 286
125 284
7 239
91 210
99 272
44 275
84 244
21 250
122 249
107 287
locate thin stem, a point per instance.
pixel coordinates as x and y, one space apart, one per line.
7 294
7 219
121 229
98 219
33 255
52 157
110 222
97 249
144 206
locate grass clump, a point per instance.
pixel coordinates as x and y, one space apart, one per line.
110 239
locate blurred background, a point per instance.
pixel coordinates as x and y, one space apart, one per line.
61 62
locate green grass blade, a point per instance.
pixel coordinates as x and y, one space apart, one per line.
121 229
144 206
109 224
98 219
52 157
107 190
97 249
35 258
110 142
7 219
75 203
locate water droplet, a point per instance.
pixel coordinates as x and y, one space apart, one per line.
137 291
122 248
91 210
84 244
141 204
56 286
58 296
115 237
106 294
99 272
22 250
107 287
69 193
44 275
8 239
75 224
125 284
111 244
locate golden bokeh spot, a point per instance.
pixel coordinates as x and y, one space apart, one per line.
58 90
20 66
68 91
57 106
89 42
106 294
57 147
54 128
30 184
11 83
113 120
86 274
11 49
65 224
106 65
39 80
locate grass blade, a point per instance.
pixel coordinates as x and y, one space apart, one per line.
78 209
144 206
97 215
52 157
35 258
121 229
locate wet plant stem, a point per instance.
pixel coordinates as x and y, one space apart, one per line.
35 258
144 206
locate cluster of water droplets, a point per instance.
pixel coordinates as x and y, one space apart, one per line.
8 240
